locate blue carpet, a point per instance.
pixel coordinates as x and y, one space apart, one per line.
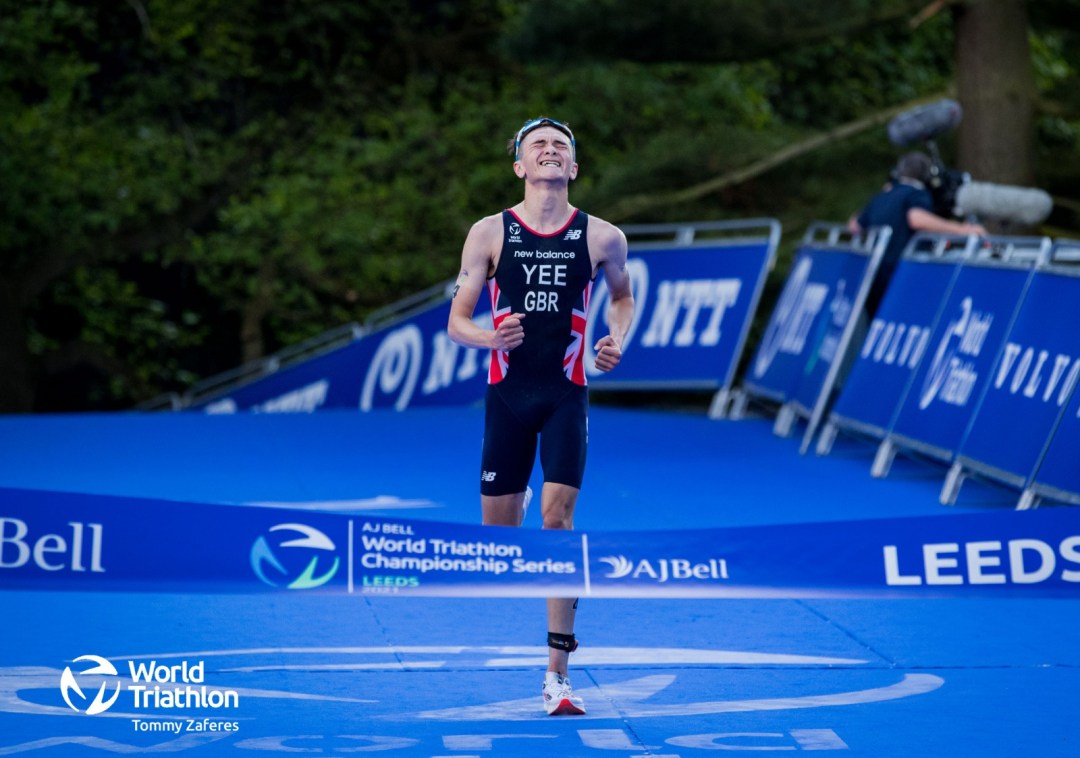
337 675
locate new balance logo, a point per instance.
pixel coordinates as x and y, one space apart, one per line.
573 234
487 476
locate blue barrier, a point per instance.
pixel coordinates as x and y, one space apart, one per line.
411 363
73 542
1057 476
1029 386
948 384
896 338
809 331
696 288
694 305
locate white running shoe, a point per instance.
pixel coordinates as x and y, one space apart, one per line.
525 502
559 698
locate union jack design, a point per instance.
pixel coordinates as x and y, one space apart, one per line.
500 309
574 359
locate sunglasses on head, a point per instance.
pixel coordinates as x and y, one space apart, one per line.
536 123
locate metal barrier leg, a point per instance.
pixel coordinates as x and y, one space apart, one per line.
718 408
826 439
785 420
951 488
739 401
1028 500
886 452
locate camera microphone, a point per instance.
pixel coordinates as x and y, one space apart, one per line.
923 123
1002 202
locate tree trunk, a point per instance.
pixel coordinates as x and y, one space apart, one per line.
16 372
255 311
996 88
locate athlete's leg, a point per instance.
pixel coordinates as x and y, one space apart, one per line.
505 462
503 510
557 506
564 440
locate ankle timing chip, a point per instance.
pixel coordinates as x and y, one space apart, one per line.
565 642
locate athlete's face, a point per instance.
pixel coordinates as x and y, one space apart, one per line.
546 153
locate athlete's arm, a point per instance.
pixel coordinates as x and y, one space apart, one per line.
610 245
477 257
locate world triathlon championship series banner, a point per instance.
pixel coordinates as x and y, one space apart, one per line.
693 309
56 541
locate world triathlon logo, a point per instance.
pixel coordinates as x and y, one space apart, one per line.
296 564
98 674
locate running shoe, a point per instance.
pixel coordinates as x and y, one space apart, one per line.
559 698
525 502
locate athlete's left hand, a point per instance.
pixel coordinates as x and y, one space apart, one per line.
608 353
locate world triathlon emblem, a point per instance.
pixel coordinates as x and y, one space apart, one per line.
296 563
102 673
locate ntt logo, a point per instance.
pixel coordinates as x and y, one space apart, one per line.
296 564
69 683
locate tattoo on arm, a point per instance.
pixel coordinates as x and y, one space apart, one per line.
461 277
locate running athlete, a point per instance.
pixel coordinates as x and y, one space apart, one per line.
538 261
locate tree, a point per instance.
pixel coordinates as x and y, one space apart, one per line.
992 60
194 184
995 83
158 178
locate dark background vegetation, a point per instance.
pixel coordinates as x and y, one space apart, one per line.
194 184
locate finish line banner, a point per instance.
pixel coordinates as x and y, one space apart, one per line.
61 541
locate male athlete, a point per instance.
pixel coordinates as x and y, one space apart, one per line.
538 261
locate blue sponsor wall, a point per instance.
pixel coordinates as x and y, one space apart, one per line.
809 330
972 360
967 340
897 337
1029 387
696 289
410 363
1057 475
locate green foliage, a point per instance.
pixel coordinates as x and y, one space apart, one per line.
827 84
195 183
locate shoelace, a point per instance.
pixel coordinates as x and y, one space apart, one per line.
560 689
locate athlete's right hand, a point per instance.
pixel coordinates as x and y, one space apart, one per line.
509 333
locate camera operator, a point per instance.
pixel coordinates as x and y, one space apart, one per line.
906 206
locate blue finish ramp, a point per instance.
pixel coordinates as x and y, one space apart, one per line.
329 674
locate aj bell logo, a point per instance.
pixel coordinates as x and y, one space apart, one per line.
663 569
69 683
312 551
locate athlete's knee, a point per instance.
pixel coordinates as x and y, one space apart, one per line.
564 521
559 517
557 503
